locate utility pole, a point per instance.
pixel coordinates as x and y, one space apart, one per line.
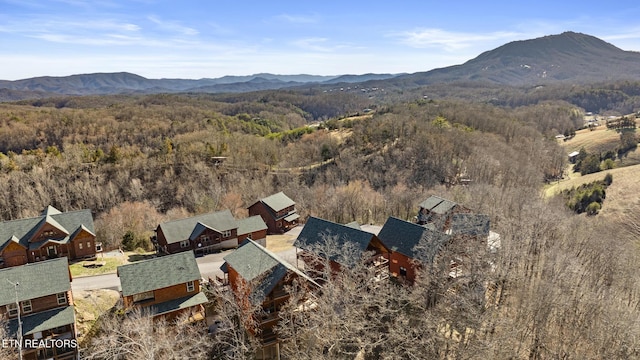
15 285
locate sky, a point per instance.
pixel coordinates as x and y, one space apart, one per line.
209 39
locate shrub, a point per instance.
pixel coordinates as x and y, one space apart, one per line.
593 208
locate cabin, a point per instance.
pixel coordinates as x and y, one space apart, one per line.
36 299
410 245
438 211
253 228
277 211
260 279
164 286
341 245
50 235
471 235
201 234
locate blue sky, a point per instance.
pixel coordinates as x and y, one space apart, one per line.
208 39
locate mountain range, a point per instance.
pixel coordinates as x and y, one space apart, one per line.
565 58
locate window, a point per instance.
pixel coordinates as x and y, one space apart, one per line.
184 244
226 233
204 238
12 309
191 286
147 295
26 306
88 245
62 298
403 271
80 246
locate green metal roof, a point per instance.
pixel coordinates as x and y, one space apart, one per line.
437 204
182 229
158 273
45 320
251 224
35 280
278 201
67 222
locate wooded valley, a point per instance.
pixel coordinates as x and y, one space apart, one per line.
568 283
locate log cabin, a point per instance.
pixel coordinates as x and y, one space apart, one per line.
50 235
38 297
341 245
277 211
164 286
261 279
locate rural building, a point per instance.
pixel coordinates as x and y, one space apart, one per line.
45 311
206 233
51 235
410 244
342 245
471 235
260 279
278 211
573 156
438 211
252 228
165 286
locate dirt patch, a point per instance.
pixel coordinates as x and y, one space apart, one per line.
90 305
278 243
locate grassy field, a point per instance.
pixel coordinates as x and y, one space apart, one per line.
621 194
111 263
600 139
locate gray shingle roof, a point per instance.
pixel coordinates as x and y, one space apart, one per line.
158 273
316 231
69 222
403 237
261 267
45 320
470 224
182 229
251 224
179 304
36 280
278 201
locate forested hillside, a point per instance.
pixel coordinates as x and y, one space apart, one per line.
568 284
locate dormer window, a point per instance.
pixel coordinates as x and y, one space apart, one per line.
226 233
48 234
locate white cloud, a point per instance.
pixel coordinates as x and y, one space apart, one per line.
297 19
173 26
313 44
451 41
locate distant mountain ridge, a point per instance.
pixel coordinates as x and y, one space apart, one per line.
565 58
123 82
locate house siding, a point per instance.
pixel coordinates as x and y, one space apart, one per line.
13 255
275 224
164 294
398 260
